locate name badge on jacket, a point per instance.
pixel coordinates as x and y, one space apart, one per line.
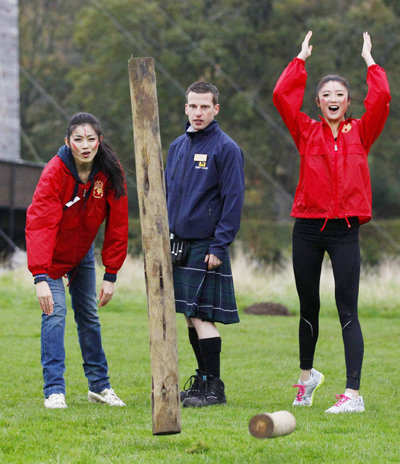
202 160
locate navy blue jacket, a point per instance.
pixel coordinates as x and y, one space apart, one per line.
205 196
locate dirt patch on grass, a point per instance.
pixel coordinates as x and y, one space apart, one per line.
268 309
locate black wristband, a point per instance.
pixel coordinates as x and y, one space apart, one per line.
110 277
39 278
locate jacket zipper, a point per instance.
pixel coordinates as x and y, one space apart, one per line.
183 173
84 196
179 158
176 166
185 166
80 235
81 219
336 179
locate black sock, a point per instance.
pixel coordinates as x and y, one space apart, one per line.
210 349
194 341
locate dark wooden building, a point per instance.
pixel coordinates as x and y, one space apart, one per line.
18 178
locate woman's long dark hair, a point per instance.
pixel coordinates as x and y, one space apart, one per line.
106 155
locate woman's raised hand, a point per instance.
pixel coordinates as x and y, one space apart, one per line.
306 48
366 50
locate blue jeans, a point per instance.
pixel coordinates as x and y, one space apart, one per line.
84 303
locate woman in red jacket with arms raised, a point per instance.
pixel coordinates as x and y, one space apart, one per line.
332 199
79 188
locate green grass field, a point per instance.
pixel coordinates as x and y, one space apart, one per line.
259 367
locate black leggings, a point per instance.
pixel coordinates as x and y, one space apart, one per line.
342 244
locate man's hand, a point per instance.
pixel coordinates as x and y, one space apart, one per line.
213 261
106 292
45 297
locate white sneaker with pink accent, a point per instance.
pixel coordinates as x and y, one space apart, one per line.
306 390
346 403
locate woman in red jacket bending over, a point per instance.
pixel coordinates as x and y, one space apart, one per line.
79 188
333 198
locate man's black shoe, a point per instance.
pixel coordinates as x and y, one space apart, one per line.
210 392
192 384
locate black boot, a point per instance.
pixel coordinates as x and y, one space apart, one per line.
210 392
192 384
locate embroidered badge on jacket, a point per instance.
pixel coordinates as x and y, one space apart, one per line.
98 190
347 127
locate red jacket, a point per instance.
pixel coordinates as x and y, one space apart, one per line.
334 175
59 234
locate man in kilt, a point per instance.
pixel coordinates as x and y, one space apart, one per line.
205 192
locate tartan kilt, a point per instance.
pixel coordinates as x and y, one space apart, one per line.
203 294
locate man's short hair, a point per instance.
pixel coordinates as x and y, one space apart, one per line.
203 87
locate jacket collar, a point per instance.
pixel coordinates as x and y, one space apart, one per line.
212 127
323 120
65 154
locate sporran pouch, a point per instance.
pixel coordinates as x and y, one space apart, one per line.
180 250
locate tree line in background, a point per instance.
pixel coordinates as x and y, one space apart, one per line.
74 57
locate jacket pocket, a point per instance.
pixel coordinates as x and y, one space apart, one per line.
214 213
210 212
318 150
96 210
69 223
93 221
356 149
